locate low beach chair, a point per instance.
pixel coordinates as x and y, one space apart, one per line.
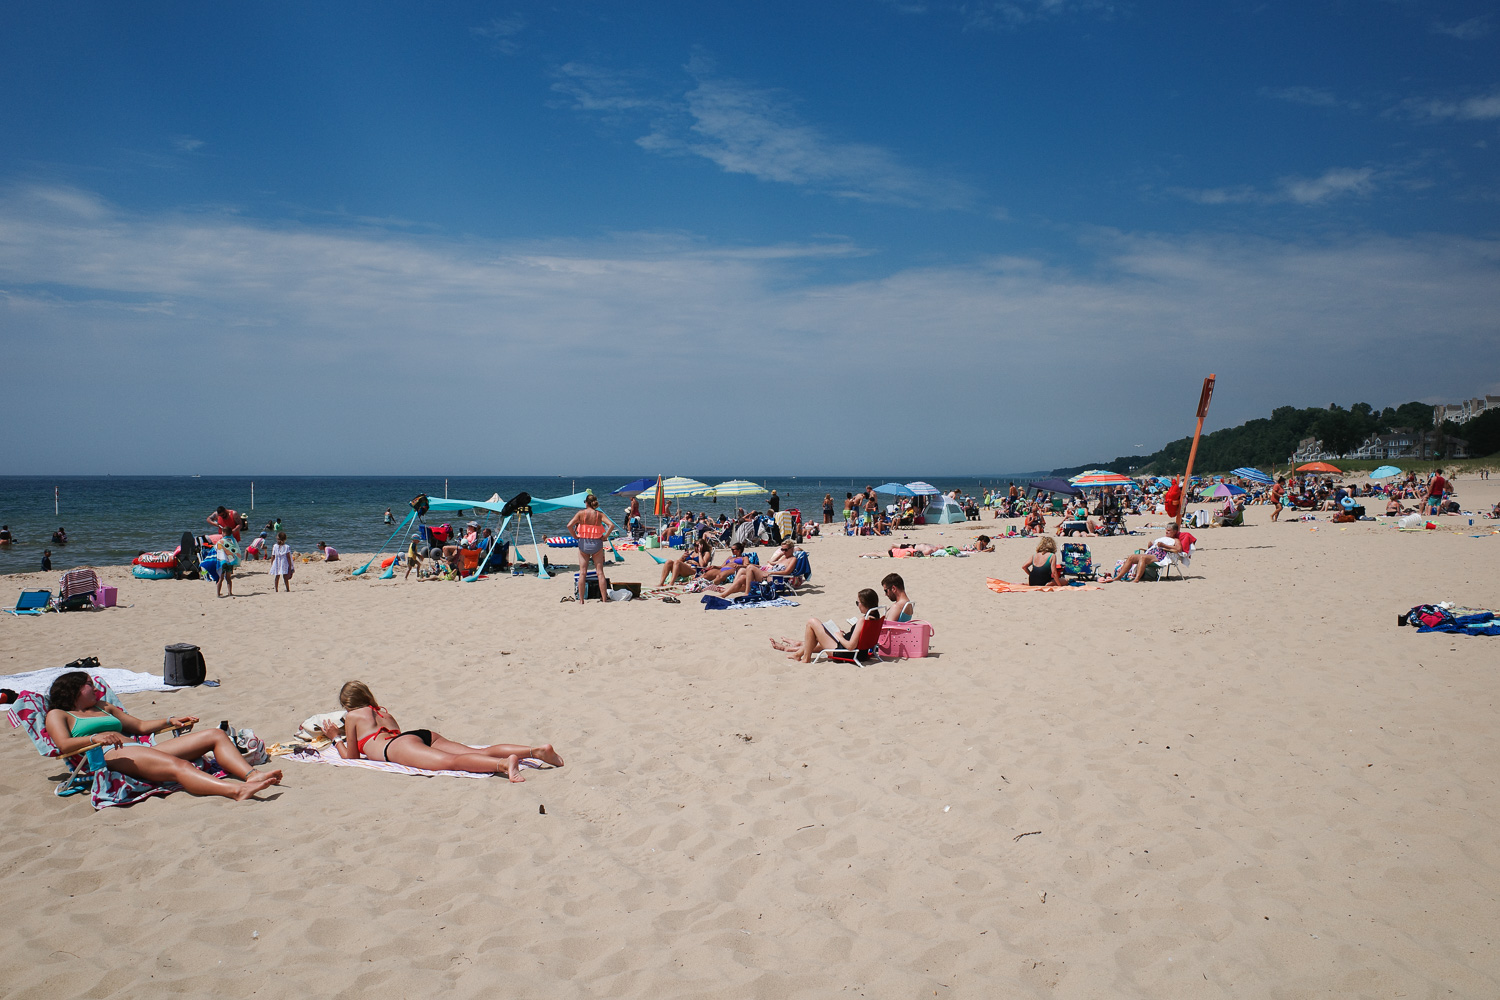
801 570
76 590
31 602
864 645
1077 561
87 772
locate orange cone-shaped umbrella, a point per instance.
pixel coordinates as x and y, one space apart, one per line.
661 499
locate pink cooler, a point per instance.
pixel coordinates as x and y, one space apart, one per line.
905 640
106 597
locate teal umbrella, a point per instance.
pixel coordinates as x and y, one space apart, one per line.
1385 472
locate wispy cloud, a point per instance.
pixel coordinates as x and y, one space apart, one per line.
1479 108
1313 97
748 130
186 144
1004 14
115 299
501 32
1337 182
1472 29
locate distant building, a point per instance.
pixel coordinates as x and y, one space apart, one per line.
1310 449
1406 442
1462 413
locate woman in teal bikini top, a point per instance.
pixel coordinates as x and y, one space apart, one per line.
77 719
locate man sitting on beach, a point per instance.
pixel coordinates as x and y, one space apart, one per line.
1176 545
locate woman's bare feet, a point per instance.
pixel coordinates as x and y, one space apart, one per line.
513 769
547 755
257 781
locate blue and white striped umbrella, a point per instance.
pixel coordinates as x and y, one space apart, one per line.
922 489
1254 475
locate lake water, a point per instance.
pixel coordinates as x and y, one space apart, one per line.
109 519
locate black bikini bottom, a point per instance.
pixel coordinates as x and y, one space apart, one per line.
425 735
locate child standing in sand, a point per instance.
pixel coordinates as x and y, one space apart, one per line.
281 562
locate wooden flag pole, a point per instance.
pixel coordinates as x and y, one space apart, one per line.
1203 400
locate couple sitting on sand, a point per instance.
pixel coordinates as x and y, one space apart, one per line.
737 574
820 636
77 719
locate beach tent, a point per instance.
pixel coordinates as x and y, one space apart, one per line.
573 501
943 510
1254 475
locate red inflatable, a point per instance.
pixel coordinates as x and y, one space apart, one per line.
157 560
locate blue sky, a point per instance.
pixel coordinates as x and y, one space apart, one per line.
512 238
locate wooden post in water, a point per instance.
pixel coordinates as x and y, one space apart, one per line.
1203 400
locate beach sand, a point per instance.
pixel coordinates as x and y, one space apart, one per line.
1249 783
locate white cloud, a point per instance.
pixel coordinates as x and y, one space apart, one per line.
186 144
501 32
1336 182
1467 31
1483 107
745 130
1313 97
357 349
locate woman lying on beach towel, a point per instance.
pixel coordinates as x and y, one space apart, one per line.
373 732
77 719
818 636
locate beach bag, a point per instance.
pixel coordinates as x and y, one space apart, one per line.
183 665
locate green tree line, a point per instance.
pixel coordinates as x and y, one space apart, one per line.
1271 440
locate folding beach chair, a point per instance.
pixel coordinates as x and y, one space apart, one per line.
76 590
864 645
801 570
1077 562
87 772
31 602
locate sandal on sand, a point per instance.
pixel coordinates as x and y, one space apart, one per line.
565 600
670 600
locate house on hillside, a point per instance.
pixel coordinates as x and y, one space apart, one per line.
1310 449
1406 442
1462 413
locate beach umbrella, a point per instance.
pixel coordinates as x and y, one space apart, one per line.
1055 486
1099 477
1318 467
1254 475
661 501
679 486
921 489
1385 472
738 488
634 488
1225 490
895 489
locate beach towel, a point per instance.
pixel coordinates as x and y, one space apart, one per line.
713 603
1434 618
329 755
1001 587
119 681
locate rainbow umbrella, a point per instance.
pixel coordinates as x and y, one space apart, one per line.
1099 477
661 499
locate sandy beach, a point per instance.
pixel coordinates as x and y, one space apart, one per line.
1250 783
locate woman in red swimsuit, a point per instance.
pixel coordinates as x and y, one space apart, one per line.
372 732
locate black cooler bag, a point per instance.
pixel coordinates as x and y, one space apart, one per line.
183 665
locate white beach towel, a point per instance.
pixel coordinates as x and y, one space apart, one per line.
123 681
330 755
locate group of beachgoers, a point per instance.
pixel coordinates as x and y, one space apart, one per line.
79 719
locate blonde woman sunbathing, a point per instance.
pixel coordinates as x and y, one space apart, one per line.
77 720
373 733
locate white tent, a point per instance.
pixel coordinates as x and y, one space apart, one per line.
943 509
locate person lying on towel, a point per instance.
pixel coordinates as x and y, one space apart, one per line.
373 733
77 720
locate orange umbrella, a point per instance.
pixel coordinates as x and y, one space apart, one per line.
661 499
1319 467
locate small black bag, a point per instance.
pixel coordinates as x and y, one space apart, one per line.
184 665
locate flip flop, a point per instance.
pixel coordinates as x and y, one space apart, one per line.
673 600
